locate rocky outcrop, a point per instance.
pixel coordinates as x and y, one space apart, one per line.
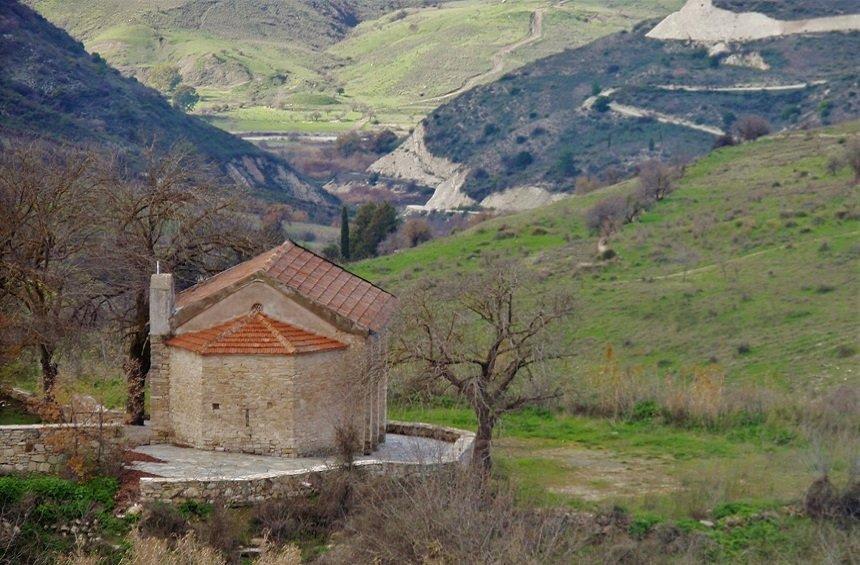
412 161
700 20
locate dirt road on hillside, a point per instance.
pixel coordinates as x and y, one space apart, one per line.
498 59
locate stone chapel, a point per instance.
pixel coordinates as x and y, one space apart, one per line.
264 357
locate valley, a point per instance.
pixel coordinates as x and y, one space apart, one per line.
338 72
429 281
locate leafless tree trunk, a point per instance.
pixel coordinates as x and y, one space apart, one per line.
174 212
484 337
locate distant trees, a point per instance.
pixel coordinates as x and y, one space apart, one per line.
752 127
372 224
344 233
352 142
185 97
565 164
656 181
519 161
412 232
487 338
165 77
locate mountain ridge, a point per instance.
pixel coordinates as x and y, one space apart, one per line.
539 128
51 87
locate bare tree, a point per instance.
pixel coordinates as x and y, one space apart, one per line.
47 230
176 213
655 181
852 157
607 216
752 127
485 337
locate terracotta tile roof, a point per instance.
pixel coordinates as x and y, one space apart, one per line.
311 276
254 334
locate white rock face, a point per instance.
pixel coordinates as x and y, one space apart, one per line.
412 161
521 198
700 20
448 195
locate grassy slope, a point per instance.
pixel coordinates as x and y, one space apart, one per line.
437 50
770 266
433 52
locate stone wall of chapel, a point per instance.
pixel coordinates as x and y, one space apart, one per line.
248 403
186 396
326 396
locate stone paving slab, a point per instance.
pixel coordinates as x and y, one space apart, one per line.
190 463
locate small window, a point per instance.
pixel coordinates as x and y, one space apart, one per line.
215 406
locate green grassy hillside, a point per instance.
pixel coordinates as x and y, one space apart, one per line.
302 65
749 266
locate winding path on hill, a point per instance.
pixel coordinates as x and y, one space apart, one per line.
636 112
742 87
498 58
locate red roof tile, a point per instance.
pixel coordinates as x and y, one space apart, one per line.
254 334
311 276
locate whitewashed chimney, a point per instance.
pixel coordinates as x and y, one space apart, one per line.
161 300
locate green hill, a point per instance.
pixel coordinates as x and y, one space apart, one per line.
285 65
51 87
543 125
749 266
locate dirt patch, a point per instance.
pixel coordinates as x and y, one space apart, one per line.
595 475
700 20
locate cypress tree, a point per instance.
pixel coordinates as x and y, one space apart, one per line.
344 233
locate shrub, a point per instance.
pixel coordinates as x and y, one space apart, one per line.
163 520
452 517
311 515
725 140
601 104
519 161
821 499
852 157
655 181
220 531
752 127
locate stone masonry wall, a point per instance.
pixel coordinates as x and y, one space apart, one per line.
255 488
159 386
34 448
186 396
327 396
248 404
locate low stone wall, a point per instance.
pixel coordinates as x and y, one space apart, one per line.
38 448
81 410
254 488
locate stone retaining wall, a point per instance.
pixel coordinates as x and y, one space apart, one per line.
39 448
255 488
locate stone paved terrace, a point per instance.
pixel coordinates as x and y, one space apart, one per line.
189 464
